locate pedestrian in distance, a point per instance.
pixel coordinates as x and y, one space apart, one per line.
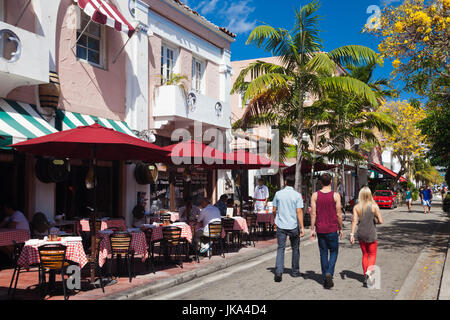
366 214
288 213
427 195
326 225
408 198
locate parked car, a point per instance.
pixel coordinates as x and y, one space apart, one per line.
385 199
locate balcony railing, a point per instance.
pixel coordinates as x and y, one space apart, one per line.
172 104
24 58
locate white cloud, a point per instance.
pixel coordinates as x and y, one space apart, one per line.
207 6
233 14
238 14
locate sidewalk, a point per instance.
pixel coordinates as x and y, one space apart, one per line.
145 280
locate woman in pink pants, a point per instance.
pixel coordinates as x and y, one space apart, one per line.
366 214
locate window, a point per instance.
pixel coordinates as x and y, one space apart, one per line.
167 63
197 75
1 10
89 45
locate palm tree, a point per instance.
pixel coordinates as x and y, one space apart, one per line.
303 69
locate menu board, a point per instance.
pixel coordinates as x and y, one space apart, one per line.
161 189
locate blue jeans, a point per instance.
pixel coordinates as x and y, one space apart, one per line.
294 237
329 248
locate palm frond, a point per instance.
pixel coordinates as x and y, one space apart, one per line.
354 54
350 86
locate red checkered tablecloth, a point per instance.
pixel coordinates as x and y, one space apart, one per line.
74 252
112 223
240 224
186 232
8 235
174 216
265 218
138 245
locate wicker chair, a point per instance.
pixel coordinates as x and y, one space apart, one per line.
151 249
215 235
53 259
252 229
18 247
94 259
171 240
121 245
228 226
165 217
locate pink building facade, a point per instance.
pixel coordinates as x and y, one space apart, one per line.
107 76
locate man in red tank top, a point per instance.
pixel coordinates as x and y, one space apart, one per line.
326 221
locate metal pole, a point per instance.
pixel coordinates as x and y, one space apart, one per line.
343 183
94 219
87 25
22 13
356 175
121 49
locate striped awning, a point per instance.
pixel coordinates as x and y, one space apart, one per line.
19 122
104 12
71 120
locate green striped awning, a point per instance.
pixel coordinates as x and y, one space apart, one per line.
71 120
20 121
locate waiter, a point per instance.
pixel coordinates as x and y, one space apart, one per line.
261 195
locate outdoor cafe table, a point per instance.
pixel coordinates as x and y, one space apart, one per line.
74 252
7 236
240 224
186 231
265 218
138 245
106 224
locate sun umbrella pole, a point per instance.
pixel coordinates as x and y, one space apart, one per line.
94 218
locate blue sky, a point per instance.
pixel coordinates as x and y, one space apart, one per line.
342 22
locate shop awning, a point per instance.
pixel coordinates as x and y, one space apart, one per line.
384 171
104 12
19 122
71 120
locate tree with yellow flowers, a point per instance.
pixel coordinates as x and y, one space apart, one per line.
407 142
416 37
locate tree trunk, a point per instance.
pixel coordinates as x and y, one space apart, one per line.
298 168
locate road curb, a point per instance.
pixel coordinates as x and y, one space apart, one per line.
410 283
163 284
444 289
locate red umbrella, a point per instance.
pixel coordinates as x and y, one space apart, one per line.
195 153
248 160
93 142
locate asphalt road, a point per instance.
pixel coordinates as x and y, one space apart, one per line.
402 238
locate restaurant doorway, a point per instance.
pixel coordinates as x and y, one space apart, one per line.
12 178
73 197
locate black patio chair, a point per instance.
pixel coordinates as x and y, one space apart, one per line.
121 245
214 236
172 240
53 259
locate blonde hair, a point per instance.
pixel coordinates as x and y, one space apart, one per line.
365 199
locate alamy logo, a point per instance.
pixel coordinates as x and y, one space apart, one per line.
373 22
74 281
374 281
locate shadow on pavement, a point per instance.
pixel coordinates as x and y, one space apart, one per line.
411 235
352 275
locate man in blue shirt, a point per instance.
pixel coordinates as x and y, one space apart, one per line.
288 212
222 205
427 196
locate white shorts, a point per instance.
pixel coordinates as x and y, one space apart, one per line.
426 203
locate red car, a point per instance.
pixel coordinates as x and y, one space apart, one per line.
385 199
